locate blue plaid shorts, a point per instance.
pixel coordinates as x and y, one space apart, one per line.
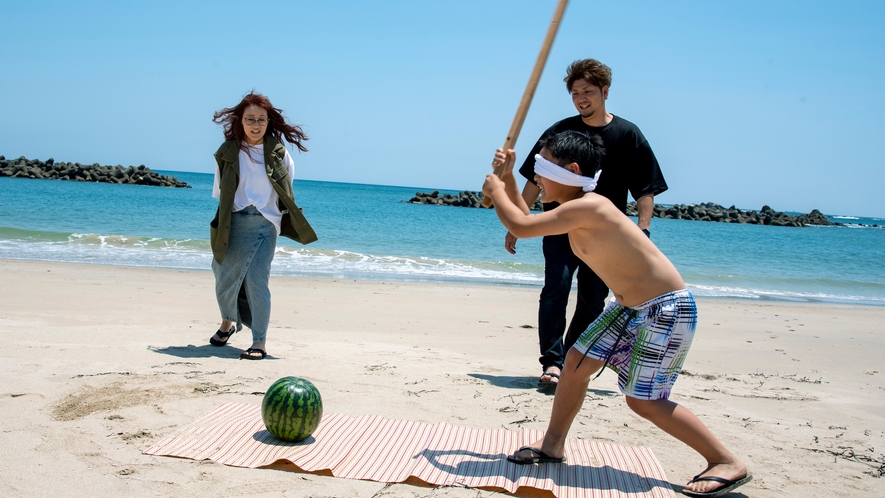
646 345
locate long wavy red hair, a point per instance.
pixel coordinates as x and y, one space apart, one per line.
277 125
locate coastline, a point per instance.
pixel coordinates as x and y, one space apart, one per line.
713 293
390 240
105 360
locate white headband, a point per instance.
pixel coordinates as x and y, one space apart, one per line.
561 175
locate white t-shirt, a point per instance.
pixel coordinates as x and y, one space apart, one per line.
254 188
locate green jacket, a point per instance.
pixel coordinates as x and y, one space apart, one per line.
293 224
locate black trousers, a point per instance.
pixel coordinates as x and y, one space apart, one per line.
560 265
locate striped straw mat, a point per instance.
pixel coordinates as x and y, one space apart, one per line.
384 450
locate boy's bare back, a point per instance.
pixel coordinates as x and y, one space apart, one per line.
616 249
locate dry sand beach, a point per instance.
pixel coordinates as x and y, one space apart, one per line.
101 361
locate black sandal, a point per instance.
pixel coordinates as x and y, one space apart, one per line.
223 335
247 354
550 383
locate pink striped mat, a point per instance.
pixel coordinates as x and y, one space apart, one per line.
384 450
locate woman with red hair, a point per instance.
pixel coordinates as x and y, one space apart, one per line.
253 185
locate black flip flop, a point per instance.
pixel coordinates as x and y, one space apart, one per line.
224 335
727 485
245 355
541 458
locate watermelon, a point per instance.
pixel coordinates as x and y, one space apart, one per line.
292 408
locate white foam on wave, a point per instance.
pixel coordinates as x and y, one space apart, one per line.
110 250
124 241
346 263
155 253
744 293
158 253
847 225
852 225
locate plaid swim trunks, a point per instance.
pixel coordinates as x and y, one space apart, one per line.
645 345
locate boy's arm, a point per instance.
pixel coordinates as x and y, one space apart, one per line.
508 158
567 217
530 193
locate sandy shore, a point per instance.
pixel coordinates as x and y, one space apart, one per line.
99 362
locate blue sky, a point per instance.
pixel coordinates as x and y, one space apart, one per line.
745 103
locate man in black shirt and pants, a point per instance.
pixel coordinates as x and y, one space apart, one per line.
628 164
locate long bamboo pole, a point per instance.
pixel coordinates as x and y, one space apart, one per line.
529 93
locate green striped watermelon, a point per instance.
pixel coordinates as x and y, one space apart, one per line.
292 408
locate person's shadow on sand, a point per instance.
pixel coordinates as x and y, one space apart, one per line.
508 381
513 382
487 464
203 351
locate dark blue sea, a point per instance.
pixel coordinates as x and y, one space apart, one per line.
371 232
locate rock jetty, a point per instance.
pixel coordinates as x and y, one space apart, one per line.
707 211
132 175
465 198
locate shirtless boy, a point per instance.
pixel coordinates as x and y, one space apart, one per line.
645 331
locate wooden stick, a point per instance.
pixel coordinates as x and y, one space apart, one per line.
523 109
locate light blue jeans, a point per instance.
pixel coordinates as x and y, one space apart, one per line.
246 265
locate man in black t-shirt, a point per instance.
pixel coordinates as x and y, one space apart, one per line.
628 164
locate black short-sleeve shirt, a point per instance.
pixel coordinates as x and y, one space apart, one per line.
628 164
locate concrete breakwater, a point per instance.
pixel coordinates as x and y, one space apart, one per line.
707 211
132 175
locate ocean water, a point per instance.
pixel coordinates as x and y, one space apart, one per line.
371 232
